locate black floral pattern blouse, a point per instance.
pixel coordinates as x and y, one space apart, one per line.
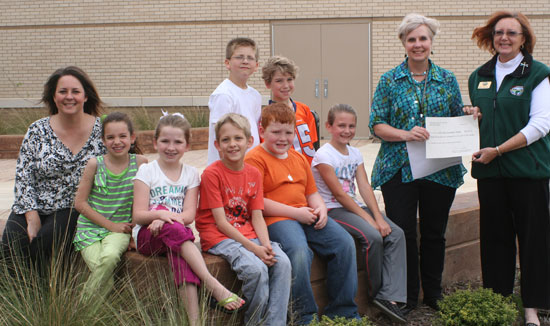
47 173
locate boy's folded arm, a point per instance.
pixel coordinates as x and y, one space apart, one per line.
275 208
230 231
303 215
266 254
316 202
260 228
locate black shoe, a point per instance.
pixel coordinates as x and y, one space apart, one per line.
433 303
406 308
390 309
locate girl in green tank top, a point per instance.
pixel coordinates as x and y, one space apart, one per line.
104 200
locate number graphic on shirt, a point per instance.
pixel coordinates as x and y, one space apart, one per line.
304 138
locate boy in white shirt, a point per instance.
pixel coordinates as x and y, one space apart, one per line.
233 95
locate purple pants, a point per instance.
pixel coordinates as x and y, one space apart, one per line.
169 241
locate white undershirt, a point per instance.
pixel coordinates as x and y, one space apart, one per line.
539 114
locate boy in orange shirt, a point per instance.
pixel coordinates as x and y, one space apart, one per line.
231 225
279 74
297 219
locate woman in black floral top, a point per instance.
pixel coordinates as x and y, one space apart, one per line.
51 160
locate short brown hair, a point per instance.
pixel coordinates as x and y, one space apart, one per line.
278 63
240 41
236 120
93 105
277 112
484 34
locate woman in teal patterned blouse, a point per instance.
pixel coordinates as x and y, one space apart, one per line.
405 96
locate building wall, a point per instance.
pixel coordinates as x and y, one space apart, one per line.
159 49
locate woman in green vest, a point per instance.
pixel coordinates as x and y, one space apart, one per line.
512 92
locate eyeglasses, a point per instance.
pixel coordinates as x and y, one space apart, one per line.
510 34
241 58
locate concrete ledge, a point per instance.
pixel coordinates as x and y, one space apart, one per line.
462 262
462 256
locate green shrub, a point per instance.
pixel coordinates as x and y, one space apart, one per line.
147 118
340 321
16 121
481 307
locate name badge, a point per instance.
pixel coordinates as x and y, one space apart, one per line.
484 85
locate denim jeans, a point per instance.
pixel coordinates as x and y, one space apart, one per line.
335 246
266 289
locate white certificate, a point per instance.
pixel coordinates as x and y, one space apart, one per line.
452 137
422 166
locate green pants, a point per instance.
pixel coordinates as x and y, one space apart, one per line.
102 257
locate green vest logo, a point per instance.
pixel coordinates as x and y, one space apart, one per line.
516 90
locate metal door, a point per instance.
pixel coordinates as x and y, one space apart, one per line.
334 61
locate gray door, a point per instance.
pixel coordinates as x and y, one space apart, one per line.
334 65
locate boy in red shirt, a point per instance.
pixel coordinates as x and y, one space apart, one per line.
231 225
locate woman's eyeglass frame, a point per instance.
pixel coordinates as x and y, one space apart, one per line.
510 34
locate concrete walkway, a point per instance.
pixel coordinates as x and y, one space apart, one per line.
197 158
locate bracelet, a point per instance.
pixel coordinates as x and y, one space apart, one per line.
498 151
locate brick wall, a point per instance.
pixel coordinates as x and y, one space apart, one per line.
171 48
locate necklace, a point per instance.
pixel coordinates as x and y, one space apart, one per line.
416 74
421 103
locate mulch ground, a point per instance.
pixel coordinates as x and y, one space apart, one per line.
425 316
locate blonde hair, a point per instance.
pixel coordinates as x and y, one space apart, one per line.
413 21
278 63
236 120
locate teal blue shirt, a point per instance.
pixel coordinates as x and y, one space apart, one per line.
399 102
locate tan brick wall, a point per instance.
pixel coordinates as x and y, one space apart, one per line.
171 48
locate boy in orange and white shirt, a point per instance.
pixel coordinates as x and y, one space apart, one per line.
279 74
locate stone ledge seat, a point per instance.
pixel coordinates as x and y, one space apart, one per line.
462 260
